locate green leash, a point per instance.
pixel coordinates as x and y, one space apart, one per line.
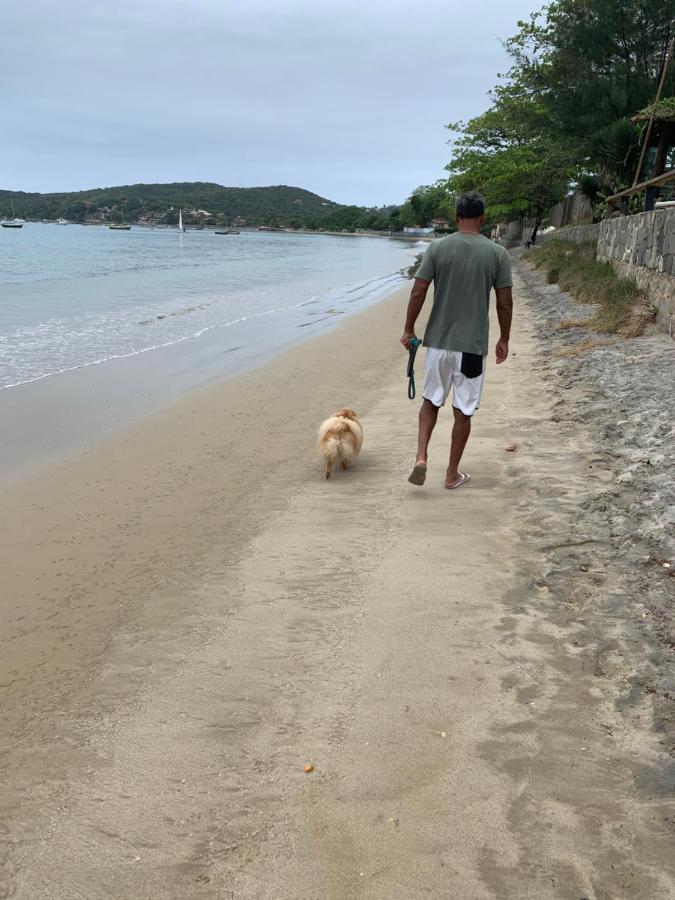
413 346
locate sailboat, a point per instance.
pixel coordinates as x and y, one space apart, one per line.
120 226
13 222
180 220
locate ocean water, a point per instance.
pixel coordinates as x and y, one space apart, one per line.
76 296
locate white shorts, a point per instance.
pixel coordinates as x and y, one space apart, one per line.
445 370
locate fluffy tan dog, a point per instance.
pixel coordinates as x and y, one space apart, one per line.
340 439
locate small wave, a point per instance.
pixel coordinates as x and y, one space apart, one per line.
111 357
344 294
177 312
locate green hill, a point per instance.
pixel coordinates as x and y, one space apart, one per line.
202 202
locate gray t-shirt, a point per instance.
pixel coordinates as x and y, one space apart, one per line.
464 268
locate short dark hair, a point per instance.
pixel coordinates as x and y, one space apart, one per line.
470 205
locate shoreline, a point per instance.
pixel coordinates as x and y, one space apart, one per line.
244 229
64 414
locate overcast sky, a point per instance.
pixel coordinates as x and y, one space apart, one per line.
347 99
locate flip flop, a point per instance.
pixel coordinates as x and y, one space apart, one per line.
419 474
463 478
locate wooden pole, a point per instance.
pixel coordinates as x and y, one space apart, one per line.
648 133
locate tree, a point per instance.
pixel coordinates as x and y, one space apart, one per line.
615 150
588 63
75 212
580 69
427 202
517 178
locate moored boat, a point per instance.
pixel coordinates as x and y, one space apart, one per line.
13 222
120 226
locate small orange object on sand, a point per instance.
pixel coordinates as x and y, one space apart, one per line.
309 768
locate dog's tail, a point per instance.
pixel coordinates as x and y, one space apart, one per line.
334 447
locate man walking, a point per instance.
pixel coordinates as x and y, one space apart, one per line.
464 268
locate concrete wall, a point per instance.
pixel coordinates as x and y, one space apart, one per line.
640 247
514 233
575 209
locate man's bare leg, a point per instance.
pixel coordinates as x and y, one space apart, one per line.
427 422
460 435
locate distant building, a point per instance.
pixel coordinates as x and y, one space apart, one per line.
417 231
441 224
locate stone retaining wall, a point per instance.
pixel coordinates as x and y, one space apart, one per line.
640 247
580 234
647 239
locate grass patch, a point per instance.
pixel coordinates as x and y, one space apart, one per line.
565 324
409 271
623 306
584 346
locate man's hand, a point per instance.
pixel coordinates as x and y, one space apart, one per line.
502 350
407 337
417 295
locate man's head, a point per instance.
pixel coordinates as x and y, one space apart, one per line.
470 211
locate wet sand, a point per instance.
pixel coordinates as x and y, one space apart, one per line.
62 416
191 615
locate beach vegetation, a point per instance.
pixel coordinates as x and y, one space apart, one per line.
622 307
409 271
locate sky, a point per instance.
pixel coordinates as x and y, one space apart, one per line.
347 99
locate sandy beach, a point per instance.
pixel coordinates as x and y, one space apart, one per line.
481 679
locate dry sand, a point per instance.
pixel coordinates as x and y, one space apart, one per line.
191 615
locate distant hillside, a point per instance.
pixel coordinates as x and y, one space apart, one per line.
202 202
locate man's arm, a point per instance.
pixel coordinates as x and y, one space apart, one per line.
417 298
504 314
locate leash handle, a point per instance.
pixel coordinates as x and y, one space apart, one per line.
413 346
